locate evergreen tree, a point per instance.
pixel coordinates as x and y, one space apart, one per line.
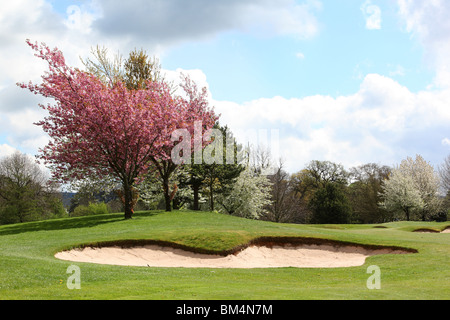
216 177
330 205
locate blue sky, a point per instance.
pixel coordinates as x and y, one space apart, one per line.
243 67
352 81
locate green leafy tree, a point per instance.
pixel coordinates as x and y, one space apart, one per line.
330 205
217 175
25 194
321 173
195 179
304 184
139 68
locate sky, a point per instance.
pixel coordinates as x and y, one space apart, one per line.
351 81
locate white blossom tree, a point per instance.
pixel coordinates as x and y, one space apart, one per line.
250 194
426 181
400 194
413 187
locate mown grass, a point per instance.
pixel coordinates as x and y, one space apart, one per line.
28 269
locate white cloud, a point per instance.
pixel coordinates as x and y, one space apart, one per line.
398 71
428 22
80 18
22 133
382 122
300 55
282 17
372 14
6 150
446 142
196 75
36 20
171 21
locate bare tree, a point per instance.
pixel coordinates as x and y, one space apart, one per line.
364 192
285 204
260 159
444 172
20 171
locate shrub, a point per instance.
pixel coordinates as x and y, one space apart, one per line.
90 210
8 215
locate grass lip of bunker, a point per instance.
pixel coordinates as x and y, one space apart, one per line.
262 252
429 230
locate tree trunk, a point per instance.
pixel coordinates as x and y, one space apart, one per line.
211 197
176 204
128 200
407 214
424 215
196 188
165 169
167 199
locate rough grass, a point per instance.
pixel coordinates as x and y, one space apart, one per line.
28 269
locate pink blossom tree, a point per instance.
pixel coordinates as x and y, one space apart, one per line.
198 120
100 130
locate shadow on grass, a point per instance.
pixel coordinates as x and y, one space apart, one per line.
70 223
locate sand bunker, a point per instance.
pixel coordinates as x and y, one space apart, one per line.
253 256
447 230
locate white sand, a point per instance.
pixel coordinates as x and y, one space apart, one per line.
304 256
447 230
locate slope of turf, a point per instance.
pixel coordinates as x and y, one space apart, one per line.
28 269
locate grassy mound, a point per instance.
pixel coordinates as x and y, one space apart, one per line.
260 241
28 269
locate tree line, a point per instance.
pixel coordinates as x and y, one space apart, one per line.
26 194
111 136
325 192
322 193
